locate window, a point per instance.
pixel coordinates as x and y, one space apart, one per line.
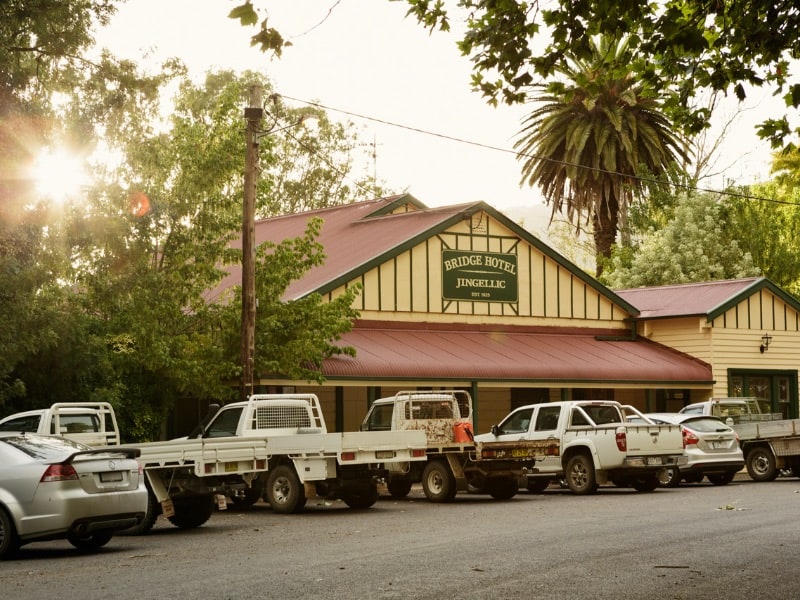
547 419
380 419
517 422
29 424
225 424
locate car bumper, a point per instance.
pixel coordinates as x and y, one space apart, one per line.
60 514
724 466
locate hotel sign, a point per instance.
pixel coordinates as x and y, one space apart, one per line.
479 276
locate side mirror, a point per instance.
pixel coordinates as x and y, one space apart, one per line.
495 430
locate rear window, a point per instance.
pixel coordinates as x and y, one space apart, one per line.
28 423
45 448
76 423
429 409
706 425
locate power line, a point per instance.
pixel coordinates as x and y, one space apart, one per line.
694 188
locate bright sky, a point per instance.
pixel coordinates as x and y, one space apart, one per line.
365 57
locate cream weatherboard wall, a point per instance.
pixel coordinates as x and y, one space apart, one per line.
409 285
732 340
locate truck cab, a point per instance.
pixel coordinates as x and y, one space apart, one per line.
92 423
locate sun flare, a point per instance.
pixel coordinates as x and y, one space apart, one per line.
58 174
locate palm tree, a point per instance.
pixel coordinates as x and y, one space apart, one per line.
591 137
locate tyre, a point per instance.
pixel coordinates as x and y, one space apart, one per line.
645 483
693 478
721 478
192 512
761 464
9 542
151 513
91 542
361 497
399 488
580 475
250 496
538 485
502 488
671 478
285 493
438 482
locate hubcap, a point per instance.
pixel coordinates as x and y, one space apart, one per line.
280 490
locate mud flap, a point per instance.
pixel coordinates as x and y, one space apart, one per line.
161 494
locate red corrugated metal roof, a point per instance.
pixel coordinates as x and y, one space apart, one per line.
352 235
691 299
386 350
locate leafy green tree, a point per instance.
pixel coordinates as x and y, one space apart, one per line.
695 245
294 337
766 221
589 138
40 46
158 235
680 47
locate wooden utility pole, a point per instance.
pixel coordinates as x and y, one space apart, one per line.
253 115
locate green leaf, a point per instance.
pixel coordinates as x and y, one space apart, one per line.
245 13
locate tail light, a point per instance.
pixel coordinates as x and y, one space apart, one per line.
689 437
348 455
418 452
59 473
622 440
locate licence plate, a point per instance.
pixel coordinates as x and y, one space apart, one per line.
654 460
231 467
111 476
384 454
717 445
520 452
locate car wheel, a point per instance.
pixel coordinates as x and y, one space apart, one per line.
761 465
670 479
693 478
399 488
9 542
151 513
90 542
645 483
249 497
580 475
502 488
537 485
192 512
438 482
285 493
361 497
721 478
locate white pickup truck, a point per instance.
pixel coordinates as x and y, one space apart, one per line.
274 446
455 461
591 442
92 423
769 442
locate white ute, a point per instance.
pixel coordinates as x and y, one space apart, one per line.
91 423
591 442
455 461
274 446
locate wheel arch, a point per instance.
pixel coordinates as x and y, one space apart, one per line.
578 449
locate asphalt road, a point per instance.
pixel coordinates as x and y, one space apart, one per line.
696 541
